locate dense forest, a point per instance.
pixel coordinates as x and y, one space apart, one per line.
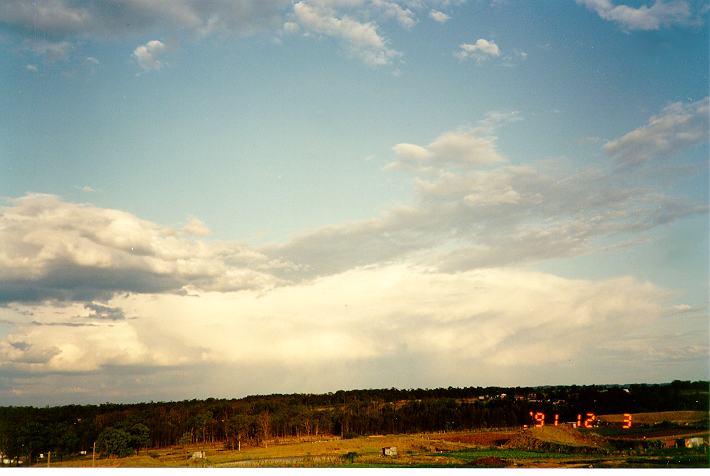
121 429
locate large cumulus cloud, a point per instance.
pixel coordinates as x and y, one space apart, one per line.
54 249
483 317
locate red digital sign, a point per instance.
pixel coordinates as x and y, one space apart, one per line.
585 420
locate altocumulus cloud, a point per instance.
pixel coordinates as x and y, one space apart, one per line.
473 208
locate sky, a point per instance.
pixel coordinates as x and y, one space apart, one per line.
226 198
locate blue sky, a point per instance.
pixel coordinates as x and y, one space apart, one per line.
332 194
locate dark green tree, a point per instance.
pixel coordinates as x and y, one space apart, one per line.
140 436
114 442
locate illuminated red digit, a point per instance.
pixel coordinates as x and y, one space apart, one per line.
627 421
539 420
589 422
557 419
579 421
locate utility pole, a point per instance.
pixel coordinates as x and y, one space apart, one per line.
93 455
49 458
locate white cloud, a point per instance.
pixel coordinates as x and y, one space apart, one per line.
432 284
195 226
106 20
91 60
660 14
64 251
478 317
361 39
32 68
390 9
54 16
466 146
412 153
473 210
355 23
51 50
678 126
146 56
439 17
291 27
480 51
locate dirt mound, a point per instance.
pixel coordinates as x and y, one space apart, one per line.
555 438
488 462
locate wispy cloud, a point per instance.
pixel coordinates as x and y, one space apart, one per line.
676 127
50 50
391 9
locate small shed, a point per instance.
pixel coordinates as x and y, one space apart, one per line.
198 455
389 451
694 442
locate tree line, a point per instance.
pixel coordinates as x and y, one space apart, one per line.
122 429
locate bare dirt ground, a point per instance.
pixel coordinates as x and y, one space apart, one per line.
481 438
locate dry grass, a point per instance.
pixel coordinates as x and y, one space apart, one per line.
417 449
